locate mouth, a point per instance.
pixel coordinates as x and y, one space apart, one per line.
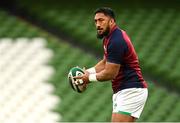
99 30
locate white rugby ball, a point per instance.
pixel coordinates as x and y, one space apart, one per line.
76 71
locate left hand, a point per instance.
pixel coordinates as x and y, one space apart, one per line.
84 77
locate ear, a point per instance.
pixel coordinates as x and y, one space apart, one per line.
111 21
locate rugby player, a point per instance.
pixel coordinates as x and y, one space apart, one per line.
120 65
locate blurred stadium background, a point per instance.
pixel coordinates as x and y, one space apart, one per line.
39 41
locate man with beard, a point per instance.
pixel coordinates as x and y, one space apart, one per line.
120 64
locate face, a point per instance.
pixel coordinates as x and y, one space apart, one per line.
102 23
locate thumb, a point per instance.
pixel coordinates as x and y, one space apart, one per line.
77 77
84 68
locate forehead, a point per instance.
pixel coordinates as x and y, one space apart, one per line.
100 15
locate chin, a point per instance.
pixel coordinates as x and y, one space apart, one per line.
100 36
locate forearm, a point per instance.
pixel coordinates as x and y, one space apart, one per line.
104 75
100 66
109 72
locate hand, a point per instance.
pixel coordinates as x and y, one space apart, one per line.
84 77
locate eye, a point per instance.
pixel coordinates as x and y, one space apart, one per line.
95 21
101 19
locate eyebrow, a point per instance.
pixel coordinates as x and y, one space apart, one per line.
99 19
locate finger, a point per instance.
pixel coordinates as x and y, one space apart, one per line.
86 72
77 66
77 82
77 77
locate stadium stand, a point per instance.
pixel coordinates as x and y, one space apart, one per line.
90 105
154 32
24 75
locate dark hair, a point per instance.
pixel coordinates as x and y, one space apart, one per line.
106 11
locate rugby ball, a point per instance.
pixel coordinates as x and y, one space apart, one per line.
77 84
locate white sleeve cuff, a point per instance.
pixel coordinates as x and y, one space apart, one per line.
91 70
92 77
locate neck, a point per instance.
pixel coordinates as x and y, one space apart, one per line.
112 26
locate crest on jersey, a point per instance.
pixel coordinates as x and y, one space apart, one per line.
105 49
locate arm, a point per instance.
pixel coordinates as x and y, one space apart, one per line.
100 65
108 69
116 50
109 72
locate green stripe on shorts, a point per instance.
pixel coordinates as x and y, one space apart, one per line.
123 112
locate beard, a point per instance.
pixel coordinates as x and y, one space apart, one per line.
105 33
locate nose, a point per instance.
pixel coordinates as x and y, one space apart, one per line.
98 25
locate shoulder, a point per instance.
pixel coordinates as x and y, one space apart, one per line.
117 35
117 39
117 47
